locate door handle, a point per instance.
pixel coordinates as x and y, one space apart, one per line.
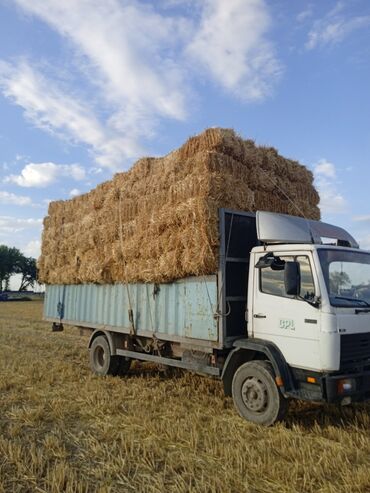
259 315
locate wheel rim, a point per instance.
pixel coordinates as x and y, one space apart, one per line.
99 356
255 395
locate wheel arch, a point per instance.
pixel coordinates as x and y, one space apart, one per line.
113 339
253 349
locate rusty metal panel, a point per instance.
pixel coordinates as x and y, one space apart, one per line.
182 309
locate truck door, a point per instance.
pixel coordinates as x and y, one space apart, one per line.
291 323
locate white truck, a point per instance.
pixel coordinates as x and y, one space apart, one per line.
287 316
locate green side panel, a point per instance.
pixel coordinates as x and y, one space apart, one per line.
184 308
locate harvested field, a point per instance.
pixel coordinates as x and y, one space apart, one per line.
64 430
159 221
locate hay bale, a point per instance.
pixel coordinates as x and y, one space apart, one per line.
159 221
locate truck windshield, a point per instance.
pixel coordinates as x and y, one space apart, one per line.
347 277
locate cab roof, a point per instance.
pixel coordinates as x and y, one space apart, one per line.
273 228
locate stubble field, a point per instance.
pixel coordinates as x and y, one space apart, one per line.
63 429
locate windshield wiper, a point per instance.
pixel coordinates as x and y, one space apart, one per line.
352 299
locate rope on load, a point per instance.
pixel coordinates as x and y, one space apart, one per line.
130 310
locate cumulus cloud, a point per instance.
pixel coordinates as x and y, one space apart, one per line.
335 27
32 249
74 192
325 168
231 44
44 174
331 200
8 198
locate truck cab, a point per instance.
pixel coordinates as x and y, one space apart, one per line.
309 305
322 327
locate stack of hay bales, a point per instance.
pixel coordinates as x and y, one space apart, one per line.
159 221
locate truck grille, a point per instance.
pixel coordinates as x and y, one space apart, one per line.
354 348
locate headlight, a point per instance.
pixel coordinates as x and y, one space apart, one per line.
346 385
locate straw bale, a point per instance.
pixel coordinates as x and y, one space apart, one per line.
159 221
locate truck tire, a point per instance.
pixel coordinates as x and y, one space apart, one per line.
101 360
256 395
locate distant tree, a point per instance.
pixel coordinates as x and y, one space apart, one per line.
339 280
27 268
9 262
12 261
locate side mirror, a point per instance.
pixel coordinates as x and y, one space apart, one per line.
269 260
292 278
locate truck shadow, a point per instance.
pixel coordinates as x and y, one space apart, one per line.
303 414
152 370
307 415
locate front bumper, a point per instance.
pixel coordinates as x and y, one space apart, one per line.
333 390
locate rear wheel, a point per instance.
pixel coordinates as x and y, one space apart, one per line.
256 395
102 362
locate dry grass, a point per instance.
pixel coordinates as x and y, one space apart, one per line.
64 430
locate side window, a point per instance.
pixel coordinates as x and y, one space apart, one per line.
272 281
307 284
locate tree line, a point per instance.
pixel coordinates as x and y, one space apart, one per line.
12 261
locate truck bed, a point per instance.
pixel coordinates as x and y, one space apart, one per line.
204 310
174 311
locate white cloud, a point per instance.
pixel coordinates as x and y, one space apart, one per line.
136 78
365 218
364 242
139 59
335 27
231 44
74 192
8 198
305 14
51 109
44 174
331 200
325 168
110 34
32 249
169 4
15 225
21 233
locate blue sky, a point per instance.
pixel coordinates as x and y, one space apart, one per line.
87 87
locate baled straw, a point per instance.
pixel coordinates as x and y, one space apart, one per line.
158 221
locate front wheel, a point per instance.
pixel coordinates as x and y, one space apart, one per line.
256 395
